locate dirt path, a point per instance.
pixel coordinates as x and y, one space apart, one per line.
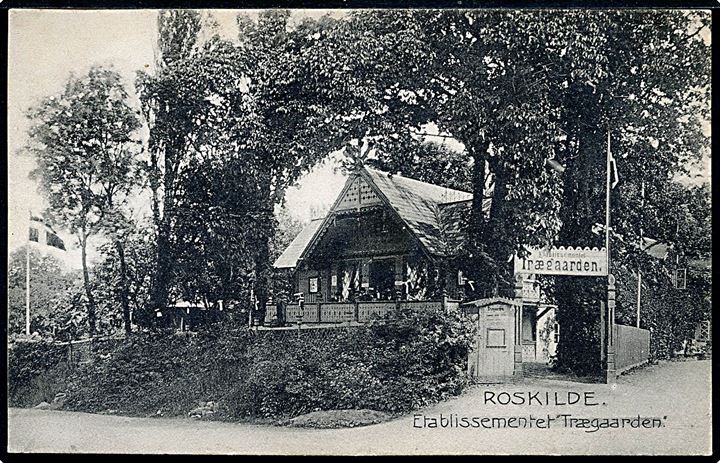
677 394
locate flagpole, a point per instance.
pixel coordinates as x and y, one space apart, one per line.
27 282
607 204
639 284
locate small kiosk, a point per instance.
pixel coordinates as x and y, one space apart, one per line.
497 353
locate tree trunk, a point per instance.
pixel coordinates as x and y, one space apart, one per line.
263 268
477 219
476 264
124 292
583 205
161 279
92 308
159 291
496 237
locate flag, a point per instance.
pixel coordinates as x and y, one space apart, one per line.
38 228
614 174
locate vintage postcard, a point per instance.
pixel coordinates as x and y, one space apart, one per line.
359 231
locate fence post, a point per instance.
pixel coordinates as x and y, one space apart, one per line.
603 333
518 368
611 374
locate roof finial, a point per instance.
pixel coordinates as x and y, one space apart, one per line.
355 158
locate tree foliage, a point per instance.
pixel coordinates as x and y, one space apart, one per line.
232 125
429 162
49 282
82 142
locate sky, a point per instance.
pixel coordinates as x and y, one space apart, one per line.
46 46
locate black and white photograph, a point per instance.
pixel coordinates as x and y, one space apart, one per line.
417 231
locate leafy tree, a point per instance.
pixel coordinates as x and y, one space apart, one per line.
624 80
295 122
48 282
124 278
167 103
82 141
245 113
430 162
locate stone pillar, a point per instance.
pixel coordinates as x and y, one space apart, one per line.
611 373
518 367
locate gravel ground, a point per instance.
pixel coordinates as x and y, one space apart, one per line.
676 394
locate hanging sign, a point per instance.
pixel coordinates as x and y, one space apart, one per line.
563 261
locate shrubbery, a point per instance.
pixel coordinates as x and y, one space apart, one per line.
36 372
396 365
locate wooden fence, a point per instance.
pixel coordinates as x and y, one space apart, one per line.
632 347
343 312
85 350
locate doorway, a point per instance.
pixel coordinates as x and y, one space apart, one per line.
382 278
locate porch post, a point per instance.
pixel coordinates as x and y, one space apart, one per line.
365 274
611 373
399 277
333 287
518 367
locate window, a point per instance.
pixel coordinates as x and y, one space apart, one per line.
34 234
313 285
556 333
495 337
680 278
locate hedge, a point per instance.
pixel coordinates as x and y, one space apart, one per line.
408 361
36 372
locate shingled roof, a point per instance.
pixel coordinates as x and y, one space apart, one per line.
292 253
435 215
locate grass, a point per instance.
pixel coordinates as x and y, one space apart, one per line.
337 419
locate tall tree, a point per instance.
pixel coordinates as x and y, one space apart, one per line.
167 103
82 141
232 125
623 74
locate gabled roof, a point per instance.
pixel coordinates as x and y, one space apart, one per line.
291 254
434 215
419 206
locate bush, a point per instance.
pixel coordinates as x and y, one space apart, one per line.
36 372
406 362
159 372
395 365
